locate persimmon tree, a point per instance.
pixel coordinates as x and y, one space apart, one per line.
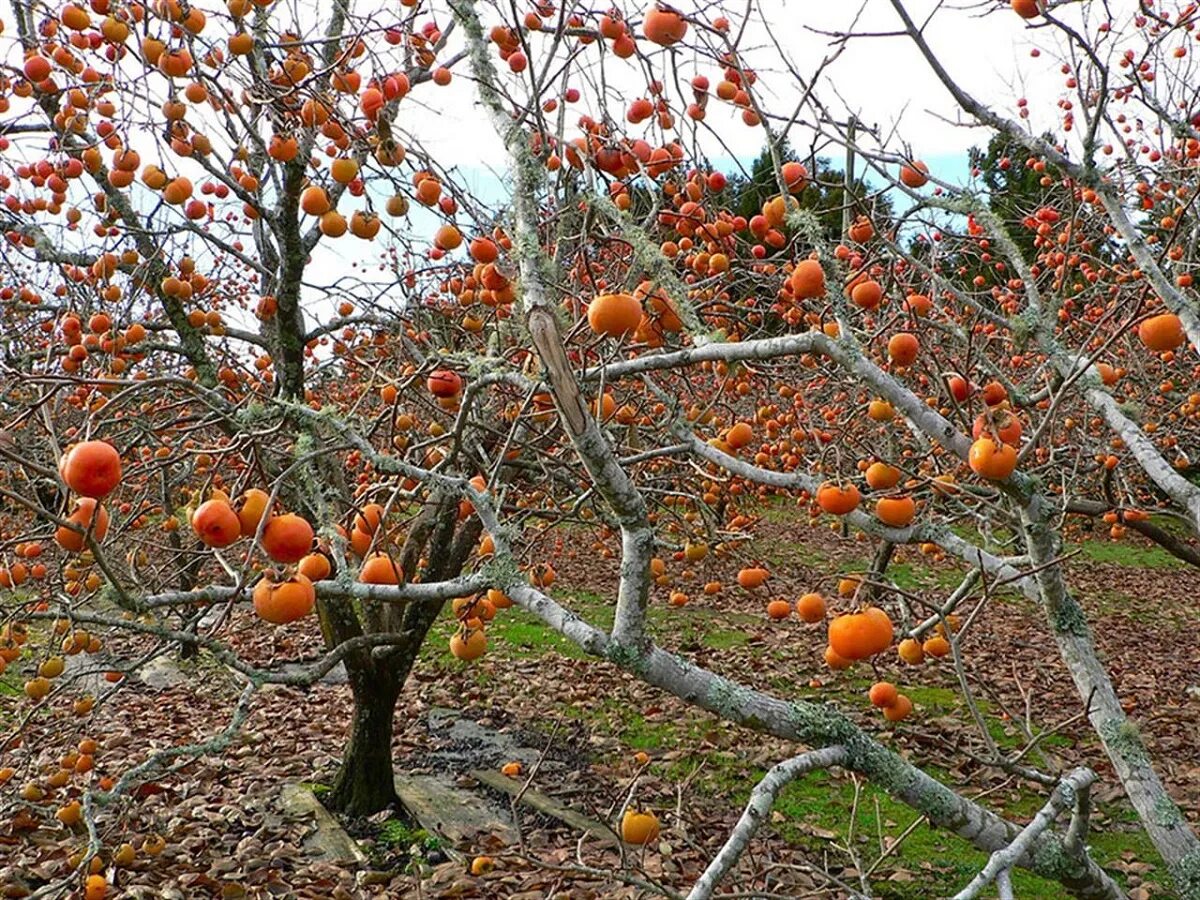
198 415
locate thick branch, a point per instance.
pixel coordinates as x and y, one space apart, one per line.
1074 785
758 810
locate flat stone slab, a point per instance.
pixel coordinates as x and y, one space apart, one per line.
161 673
548 805
454 813
87 670
466 743
328 840
336 675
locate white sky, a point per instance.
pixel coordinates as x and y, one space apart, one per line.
883 79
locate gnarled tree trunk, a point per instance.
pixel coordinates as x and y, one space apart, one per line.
365 782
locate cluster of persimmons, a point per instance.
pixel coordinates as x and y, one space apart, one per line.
98 326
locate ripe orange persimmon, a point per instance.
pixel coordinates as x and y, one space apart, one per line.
37 69
1005 425
379 568
484 250
369 518
499 599
880 411
663 26
867 293
639 827
177 190
808 280
444 383
216 524
849 585
343 170
910 651
991 459
280 602
315 566
835 660
542 575
252 506
447 237
994 393
615 315
481 865
95 888
91 469
882 477
360 541
241 43
795 176
287 538
883 694
752 577
468 644
862 230
333 224
895 511
837 499
898 710
85 509
903 348
1162 333
314 200
739 436
936 646
811 608
861 635
779 609
914 176
918 304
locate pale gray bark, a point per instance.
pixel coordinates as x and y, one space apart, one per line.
1161 472
758 811
1071 791
1160 815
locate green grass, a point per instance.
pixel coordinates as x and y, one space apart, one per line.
636 731
520 634
714 629
525 636
10 684
1001 538
723 639
822 802
820 805
910 577
399 833
784 553
815 814
1127 553
639 734
1173 524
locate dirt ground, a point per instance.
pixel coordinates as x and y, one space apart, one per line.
578 725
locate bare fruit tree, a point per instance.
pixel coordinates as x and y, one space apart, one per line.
208 402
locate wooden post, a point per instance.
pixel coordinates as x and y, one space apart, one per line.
848 198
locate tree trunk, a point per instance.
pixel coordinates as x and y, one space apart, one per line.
1166 825
365 782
